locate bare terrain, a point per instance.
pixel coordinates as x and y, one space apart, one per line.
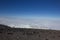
7 33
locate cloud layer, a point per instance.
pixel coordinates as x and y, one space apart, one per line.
31 23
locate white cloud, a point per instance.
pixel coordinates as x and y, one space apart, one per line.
31 23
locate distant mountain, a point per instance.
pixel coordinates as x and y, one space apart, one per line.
4 26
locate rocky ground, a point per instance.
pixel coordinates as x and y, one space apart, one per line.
7 33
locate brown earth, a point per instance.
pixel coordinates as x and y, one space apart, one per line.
7 33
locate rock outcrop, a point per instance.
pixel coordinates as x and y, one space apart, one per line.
7 33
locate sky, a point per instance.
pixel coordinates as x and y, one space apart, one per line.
30 13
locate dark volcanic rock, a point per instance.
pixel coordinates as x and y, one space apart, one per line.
3 28
27 34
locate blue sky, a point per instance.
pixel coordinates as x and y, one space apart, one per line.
30 8
30 13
